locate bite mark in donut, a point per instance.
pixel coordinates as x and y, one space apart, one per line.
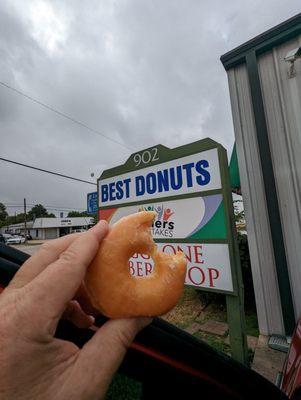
114 291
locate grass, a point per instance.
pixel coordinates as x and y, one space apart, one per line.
189 310
218 343
124 388
252 324
186 311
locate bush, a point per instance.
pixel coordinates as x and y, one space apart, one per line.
249 297
246 272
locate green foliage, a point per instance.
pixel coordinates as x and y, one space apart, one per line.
219 299
72 214
3 212
246 272
37 211
216 342
13 219
51 215
252 324
207 298
124 388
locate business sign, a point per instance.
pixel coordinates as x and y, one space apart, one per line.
65 222
186 175
189 218
201 259
92 203
186 193
189 189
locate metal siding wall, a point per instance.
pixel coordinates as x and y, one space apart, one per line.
51 233
281 96
261 252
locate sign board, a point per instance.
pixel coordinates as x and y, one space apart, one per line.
189 189
202 260
196 222
92 203
65 222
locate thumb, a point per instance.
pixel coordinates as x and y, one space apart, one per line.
100 358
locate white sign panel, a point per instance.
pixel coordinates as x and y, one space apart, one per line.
195 173
177 219
208 265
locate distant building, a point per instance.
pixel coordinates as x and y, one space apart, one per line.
50 228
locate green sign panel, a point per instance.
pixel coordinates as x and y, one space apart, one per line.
189 188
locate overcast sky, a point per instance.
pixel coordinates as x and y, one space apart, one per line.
142 72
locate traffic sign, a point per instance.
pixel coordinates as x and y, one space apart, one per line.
92 203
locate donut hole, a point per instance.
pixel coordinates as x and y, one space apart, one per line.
141 265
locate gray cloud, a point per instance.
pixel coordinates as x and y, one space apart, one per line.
141 72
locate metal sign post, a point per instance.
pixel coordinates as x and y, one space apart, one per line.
189 188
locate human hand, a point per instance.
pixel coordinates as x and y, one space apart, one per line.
34 364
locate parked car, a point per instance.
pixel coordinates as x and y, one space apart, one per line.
15 240
2 238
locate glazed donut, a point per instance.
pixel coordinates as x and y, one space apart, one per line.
117 294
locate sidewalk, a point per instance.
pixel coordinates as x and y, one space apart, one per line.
36 242
267 362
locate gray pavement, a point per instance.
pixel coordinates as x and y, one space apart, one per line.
27 248
267 362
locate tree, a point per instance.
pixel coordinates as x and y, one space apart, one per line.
3 212
72 214
13 219
37 211
51 215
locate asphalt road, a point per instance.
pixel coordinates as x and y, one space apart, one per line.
28 248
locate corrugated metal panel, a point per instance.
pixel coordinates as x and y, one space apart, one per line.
260 244
282 102
61 222
51 233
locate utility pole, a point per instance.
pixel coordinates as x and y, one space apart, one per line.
25 221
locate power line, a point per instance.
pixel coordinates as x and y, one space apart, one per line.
47 207
50 108
44 205
34 204
47 171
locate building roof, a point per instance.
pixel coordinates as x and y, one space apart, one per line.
61 222
20 225
53 223
264 42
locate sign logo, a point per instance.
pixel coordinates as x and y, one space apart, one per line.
163 225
